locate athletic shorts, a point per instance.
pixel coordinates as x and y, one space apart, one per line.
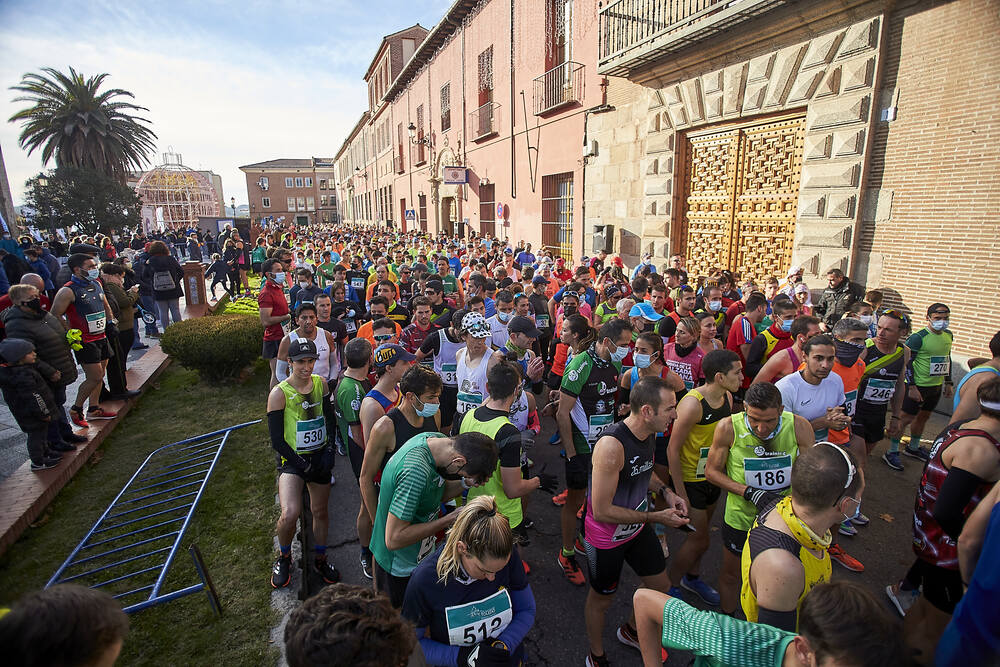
357 457
449 403
270 349
643 554
390 586
734 539
941 587
702 494
321 466
578 472
869 425
93 352
930 396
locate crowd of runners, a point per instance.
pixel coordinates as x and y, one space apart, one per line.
431 362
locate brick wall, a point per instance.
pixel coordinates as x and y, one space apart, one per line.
931 217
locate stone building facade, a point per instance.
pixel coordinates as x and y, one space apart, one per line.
757 135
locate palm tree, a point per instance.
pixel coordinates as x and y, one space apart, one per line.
79 125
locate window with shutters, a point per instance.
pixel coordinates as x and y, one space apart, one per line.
557 214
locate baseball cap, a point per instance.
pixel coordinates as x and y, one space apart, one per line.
301 348
539 280
84 249
522 324
508 251
419 267
618 262
793 270
585 260
435 285
390 353
14 349
612 290
475 325
645 311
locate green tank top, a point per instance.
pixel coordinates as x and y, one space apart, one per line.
764 465
305 426
510 508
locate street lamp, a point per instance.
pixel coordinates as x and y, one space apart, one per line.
232 200
411 129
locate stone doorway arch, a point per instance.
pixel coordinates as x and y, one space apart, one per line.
440 192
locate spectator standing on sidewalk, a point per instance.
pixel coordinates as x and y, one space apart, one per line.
165 276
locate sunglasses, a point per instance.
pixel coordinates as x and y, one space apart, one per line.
383 337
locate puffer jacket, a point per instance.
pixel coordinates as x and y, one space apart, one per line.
27 395
168 265
49 337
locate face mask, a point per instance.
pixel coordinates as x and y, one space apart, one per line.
93 274
503 317
746 420
428 410
786 325
620 353
569 310
303 285
715 306
643 360
867 319
450 476
34 304
847 353
939 325
279 277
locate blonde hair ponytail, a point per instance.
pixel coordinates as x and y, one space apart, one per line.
485 532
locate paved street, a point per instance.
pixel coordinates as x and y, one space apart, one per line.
558 637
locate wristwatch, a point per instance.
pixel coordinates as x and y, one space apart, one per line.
496 643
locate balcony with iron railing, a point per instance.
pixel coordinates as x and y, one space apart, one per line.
634 34
485 121
559 87
397 161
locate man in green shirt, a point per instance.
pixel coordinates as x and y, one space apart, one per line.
827 637
324 272
928 376
423 473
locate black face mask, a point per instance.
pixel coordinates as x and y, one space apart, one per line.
848 353
34 304
569 310
450 476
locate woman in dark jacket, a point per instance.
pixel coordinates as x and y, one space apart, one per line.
231 256
165 275
194 249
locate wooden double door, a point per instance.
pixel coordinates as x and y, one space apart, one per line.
740 196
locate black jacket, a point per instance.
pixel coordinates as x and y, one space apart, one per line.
28 396
836 300
163 264
49 337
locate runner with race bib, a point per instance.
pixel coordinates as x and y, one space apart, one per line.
443 346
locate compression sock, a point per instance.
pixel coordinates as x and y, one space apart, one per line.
915 440
893 445
286 550
366 552
320 553
568 553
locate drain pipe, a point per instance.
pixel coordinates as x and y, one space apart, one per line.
604 107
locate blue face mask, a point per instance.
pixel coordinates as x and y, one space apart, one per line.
620 353
93 274
746 420
939 325
643 360
428 409
786 325
502 316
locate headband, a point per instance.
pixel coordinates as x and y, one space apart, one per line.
850 466
990 405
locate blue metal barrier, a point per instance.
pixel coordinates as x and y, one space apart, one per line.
152 511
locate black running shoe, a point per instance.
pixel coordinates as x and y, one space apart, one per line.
330 573
44 464
281 573
75 439
62 447
366 566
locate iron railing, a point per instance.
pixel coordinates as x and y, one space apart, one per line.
485 121
560 86
626 24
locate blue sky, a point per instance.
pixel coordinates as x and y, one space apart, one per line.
226 83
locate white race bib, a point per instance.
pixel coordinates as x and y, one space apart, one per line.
96 322
449 374
624 531
542 321
426 547
771 474
469 402
940 367
597 425
699 471
475 622
851 402
351 326
310 434
358 283
879 391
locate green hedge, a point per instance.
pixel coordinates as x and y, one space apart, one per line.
217 347
241 305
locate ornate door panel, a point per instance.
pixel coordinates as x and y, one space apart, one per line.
740 198
710 186
770 167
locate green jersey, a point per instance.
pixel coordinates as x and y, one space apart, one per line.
347 407
593 382
931 356
324 273
411 489
718 640
758 463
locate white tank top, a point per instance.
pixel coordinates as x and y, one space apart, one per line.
445 362
519 411
322 367
471 381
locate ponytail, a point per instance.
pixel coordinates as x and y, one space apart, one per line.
580 327
485 532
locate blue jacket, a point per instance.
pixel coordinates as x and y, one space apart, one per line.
39 267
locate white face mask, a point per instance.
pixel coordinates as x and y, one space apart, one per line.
939 325
303 284
643 360
620 353
502 316
714 306
279 277
867 319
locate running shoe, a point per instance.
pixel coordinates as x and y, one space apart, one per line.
579 512
676 592
901 599
920 453
709 595
571 570
366 566
860 520
891 459
76 416
578 546
100 413
847 528
560 498
597 660
62 447
628 636
45 464
330 573
844 559
555 439
75 439
281 573
341 449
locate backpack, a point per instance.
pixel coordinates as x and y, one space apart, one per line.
163 281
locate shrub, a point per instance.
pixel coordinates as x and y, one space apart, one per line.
217 347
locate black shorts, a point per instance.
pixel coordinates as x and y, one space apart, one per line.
391 586
643 554
660 451
93 352
578 472
270 349
941 587
702 494
870 425
357 457
449 403
733 539
930 396
321 463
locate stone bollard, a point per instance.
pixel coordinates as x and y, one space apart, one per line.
194 289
